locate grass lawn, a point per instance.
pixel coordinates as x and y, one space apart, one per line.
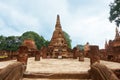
1 57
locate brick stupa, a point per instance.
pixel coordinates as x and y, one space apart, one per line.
58 45
112 48
30 44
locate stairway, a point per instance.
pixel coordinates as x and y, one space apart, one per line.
56 76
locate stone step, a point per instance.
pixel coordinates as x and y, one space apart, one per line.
51 79
82 75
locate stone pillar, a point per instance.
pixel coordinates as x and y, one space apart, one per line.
43 52
86 49
75 53
81 56
94 54
37 56
23 55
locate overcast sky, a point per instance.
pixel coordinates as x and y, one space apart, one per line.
84 20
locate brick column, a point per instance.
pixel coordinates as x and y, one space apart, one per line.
23 55
94 54
37 56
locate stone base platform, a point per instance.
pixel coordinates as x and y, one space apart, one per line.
58 75
58 69
53 79
63 65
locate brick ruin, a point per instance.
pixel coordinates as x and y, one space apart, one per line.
28 49
77 53
58 47
30 44
112 49
22 54
8 55
94 54
101 72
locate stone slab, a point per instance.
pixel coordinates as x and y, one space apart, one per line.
59 65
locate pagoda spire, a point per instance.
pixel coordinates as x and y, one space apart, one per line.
58 19
58 25
106 44
117 35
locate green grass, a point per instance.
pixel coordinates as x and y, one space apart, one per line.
3 56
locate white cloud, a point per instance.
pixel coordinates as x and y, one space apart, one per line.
88 22
17 20
2 23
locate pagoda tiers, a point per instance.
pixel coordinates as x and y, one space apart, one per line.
113 47
58 46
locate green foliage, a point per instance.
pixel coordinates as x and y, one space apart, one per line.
81 47
9 43
67 37
39 40
2 42
1 57
115 12
46 43
12 43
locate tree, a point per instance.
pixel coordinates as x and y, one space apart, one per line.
39 40
2 42
46 43
67 37
12 43
115 12
81 47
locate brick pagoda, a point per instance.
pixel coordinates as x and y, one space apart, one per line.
112 48
58 45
